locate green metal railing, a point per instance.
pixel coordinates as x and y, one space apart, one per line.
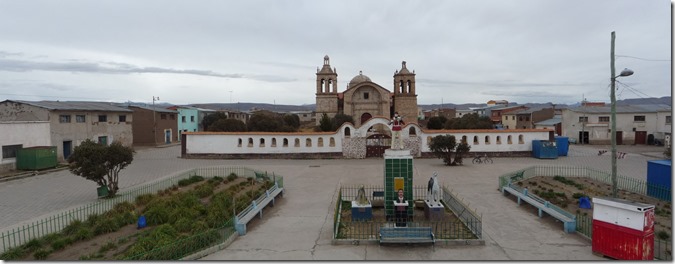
662 248
469 227
623 182
55 223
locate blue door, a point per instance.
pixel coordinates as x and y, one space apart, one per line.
167 136
67 148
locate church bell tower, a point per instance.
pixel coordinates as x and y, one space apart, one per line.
326 90
405 99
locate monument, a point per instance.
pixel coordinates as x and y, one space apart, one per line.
362 210
433 209
398 175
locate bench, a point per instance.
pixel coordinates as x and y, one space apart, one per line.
378 199
406 235
378 194
569 220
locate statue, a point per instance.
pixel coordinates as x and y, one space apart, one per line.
396 123
433 189
361 198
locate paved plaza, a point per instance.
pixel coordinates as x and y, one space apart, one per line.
300 226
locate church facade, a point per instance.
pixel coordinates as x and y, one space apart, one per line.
363 99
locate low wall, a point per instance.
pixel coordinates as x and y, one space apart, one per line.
350 142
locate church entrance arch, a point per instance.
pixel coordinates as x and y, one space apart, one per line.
365 117
376 144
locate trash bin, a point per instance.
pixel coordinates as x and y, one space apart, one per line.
102 191
563 145
36 158
543 149
659 179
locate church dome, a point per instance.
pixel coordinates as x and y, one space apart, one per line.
359 79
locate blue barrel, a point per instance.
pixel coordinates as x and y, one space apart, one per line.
563 145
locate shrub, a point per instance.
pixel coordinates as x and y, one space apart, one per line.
59 244
157 215
13 253
72 228
144 199
663 235
203 191
124 207
108 246
105 226
199 226
184 182
52 237
83 234
183 225
41 254
233 176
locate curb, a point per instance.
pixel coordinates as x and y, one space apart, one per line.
30 174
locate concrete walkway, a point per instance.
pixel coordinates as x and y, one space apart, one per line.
300 226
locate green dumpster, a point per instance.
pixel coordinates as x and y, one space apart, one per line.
102 191
36 158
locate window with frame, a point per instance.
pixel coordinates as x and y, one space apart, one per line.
173 117
122 118
162 116
64 118
192 119
9 151
366 96
102 118
80 118
182 119
639 118
669 120
583 119
603 119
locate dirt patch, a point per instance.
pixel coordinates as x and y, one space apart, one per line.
561 192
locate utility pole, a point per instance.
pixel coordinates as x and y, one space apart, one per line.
613 107
624 72
154 119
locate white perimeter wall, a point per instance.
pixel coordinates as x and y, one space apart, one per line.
264 143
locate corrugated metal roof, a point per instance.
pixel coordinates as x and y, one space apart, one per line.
156 109
550 122
74 105
623 109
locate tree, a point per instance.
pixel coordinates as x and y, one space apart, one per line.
340 119
436 122
445 147
292 120
211 118
100 163
228 125
325 124
469 121
264 121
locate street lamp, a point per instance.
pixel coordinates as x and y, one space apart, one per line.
154 119
624 73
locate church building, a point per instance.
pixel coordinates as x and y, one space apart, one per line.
363 99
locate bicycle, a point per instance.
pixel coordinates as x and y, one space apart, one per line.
485 159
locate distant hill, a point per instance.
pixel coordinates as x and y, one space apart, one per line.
667 100
251 106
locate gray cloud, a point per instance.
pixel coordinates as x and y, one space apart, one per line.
503 83
15 65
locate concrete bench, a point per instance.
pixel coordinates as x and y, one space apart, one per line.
378 199
406 235
569 220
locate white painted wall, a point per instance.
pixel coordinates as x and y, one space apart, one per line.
26 133
250 142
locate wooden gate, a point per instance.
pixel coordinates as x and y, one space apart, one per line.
640 137
376 144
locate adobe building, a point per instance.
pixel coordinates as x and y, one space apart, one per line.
364 99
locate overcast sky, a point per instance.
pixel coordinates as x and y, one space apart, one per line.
267 51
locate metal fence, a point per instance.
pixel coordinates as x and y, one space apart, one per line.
442 230
623 182
662 248
55 223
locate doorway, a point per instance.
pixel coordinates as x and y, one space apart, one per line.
376 144
583 137
365 117
67 148
167 136
641 137
619 137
